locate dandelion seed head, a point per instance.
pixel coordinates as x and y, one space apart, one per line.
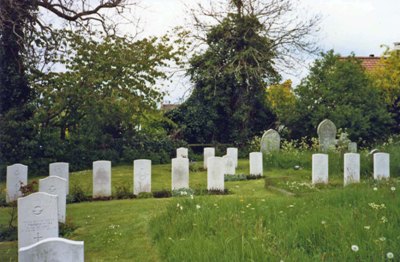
389 255
354 248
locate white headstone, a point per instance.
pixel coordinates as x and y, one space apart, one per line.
208 152
60 169
229 165
381 166
352 147
270 142
101 178
55 185
215 173
37 218
256 164
320 168
17 174
351 168
233 153
53 249
327 135
141 176
182 152
180 173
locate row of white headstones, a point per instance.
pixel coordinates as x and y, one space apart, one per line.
39 213
351 167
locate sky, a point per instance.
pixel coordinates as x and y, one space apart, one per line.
359 26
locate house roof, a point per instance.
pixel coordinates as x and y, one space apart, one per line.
168 107
369 62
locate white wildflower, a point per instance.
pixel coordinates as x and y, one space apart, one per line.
375 189
393 188
367 227
198 206
389 255
354 248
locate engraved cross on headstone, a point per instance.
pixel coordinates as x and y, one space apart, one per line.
38 237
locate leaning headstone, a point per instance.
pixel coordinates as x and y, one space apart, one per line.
141 176
37 218
17 175
233 153
208 152
381 166
352 147
53 249
270 142
256 164
215 173
351 168
327 135
182 152
55 185
60 169
320 169
180 173
101 178
229 165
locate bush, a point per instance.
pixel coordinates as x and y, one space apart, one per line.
123 192
77 194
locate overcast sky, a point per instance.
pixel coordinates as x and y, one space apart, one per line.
359 26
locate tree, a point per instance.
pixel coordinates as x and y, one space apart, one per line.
386 77
281 98
24 34
339 90
230 77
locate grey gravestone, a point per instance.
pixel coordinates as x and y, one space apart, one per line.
381 166
37 218
53 249
352 147
351 168
256 164
55 185
182 152
180 173
320 169
208 152
233 153
327 135
229 162
60 169
215 173
270 142
141 176
101 178
17 174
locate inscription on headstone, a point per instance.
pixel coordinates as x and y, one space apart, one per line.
270 142
141 176
180 173
55 185
327 135
101 178
37 218
381 166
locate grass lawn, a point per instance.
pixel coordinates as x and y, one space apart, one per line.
253 223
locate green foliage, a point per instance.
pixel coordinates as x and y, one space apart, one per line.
230 79
339 89
77 194
123 192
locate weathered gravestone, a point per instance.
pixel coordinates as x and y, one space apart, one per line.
141 176
208 152
270 142
180 173
182 152
381 166
17 175
256 164
55 185
229 165
60 169
215 173
101 178
53 249
352 147
327 135
351 168
320 169
37 218
232 152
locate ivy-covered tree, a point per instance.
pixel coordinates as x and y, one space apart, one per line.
230 77
340 90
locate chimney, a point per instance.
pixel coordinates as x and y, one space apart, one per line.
371 55
396 46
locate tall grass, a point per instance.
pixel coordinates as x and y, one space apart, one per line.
320 226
